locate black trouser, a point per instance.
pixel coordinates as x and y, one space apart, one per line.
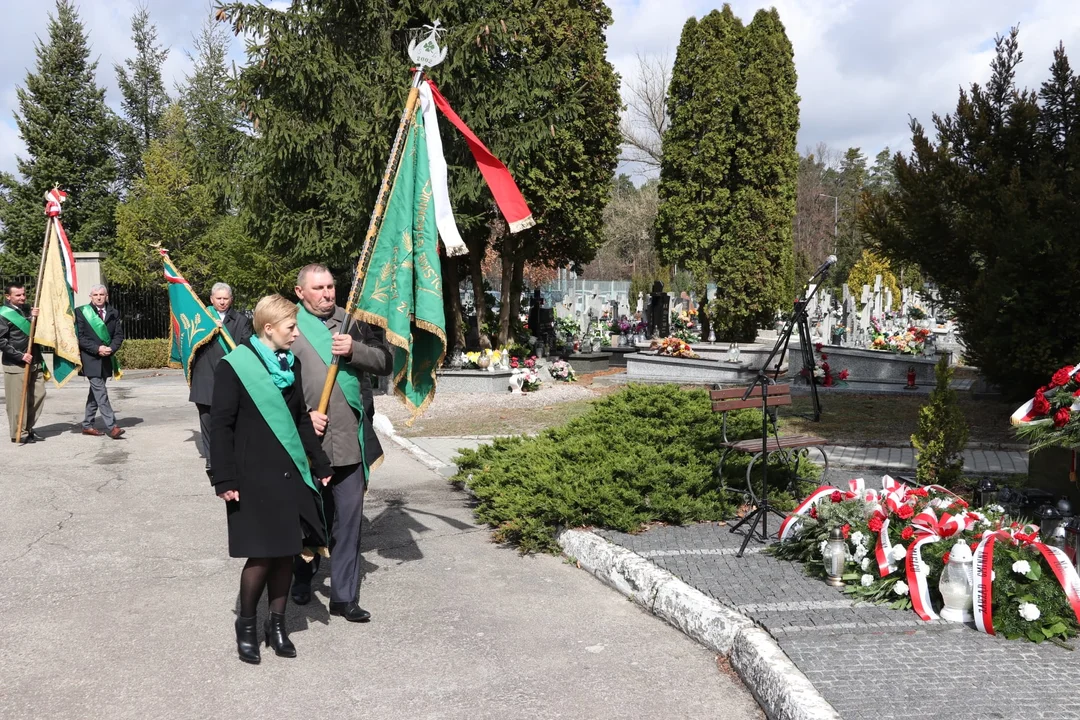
204 430
343 505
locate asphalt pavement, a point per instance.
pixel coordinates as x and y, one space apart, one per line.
118 596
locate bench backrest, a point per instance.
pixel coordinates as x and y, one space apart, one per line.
731 399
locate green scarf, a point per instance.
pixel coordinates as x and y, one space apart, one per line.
348 379
102 332
272 360
223 332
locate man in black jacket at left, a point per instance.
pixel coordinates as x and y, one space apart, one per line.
100 335
14 343
238 328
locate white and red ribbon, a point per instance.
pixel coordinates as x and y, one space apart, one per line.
507 195
793 522
440 191
54 200
928 529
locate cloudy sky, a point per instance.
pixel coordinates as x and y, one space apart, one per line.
864 65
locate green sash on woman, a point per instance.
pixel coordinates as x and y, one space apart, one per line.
102 332
267 398
348 379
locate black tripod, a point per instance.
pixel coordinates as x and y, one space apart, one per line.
798 317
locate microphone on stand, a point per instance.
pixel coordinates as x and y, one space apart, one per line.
829 262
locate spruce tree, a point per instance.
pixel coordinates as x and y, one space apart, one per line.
70 136
143 96
728 178
852 181
214 121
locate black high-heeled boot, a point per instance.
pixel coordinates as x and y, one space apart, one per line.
247 640
277 636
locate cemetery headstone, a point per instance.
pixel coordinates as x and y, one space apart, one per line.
659 316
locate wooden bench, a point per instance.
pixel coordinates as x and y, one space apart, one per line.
792 447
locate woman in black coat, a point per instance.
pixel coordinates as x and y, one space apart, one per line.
272 512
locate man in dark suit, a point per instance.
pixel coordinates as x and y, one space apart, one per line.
100 334
15 317
347 433
237 328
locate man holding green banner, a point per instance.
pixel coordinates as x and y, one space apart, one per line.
100 337
14 342
347 433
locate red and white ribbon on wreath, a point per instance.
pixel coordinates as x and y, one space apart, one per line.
793 522
928 529
1026 413
1056 558
54 200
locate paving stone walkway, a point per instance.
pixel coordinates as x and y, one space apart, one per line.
868 661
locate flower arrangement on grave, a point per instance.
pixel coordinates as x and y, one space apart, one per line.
823 374
1050 418
530 380
900 538
527 363
567 328
916 314
562 371
674 347
684 325
910 342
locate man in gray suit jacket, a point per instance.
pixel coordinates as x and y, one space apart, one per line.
347 433
209 355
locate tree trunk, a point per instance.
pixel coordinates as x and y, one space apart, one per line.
476 257
507 256
517 282
455 331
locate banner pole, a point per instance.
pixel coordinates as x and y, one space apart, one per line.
33 324
373 227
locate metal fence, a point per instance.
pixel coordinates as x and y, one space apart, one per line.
143 311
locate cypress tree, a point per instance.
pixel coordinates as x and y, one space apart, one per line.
728 179
143 96
70 136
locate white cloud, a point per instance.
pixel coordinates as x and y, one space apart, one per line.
864 65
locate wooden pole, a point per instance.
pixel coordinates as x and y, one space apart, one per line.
33 325
372 231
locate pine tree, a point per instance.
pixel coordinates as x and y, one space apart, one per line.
70 136
942 432
143 96
729 175
215 123
850 242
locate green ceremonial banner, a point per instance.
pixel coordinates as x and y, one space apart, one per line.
402 289
190 324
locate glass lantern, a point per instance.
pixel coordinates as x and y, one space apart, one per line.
986 493
835 557
1049 519
956 585
1072 541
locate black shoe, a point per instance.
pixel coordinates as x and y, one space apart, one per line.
301 594
277 637
28 440
247 640
350 611
35 437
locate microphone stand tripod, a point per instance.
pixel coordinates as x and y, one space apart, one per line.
797 317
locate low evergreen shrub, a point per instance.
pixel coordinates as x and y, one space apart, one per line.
646 454
144 354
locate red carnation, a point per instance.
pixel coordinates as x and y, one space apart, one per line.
813 512
921 492
974 546
945 557
846 529
905 512
1040 405
1061 377
818 346
907 533
828 381
836 496
825 367
876 522
1061 417
843 374
824 356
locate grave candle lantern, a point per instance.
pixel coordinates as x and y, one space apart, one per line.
835 557
1072 541
956 585
910 378
986 493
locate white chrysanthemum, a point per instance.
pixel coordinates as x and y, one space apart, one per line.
995 509
866 580
1023 567
857 537
860 553
899 552
1030 611
864 564
900 588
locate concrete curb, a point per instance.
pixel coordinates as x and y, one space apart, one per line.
419 453
781 689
